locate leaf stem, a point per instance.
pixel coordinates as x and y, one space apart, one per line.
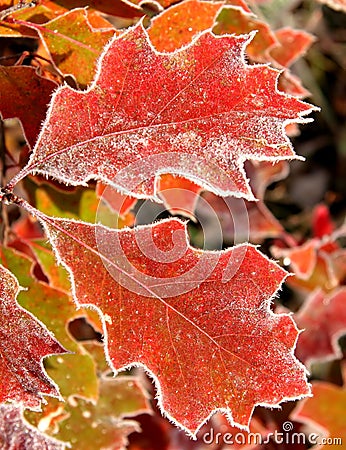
16 179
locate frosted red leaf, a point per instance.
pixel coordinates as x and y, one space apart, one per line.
25 95
325 413
16 433
199 112
323 318
199 321
24 343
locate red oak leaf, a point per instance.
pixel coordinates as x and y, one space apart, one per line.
17 434
325 411
199 322
24 343
198 112
25 95
323 318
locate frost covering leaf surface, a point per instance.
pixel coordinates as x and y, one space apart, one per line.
214 345
198 112
17 434
23 344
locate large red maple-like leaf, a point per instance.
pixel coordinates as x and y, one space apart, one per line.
24 343
199 321
198 112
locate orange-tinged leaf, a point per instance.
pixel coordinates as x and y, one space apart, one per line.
199 112
302 259
292 45
14 30
325 411
318 263
42 12
73 44
177 25
23 345
25 94
206 310
263 173
235 20
16 433
179 195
